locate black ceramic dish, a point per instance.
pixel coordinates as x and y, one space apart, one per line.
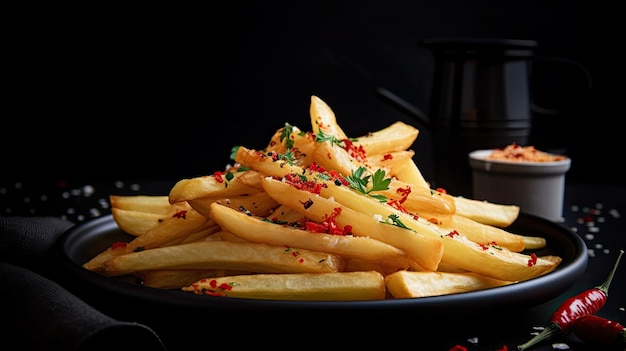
87 239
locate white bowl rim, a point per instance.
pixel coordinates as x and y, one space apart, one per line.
481 155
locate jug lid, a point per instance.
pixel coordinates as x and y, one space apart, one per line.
503 46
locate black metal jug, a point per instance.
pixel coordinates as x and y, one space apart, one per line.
480 99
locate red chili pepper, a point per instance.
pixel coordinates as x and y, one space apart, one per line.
585 303
597 330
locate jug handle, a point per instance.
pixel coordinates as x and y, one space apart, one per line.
404 105
586 74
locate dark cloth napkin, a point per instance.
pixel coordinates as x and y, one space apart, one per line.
39 313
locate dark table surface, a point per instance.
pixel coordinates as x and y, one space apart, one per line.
593 211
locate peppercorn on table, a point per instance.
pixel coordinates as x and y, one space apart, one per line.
592 211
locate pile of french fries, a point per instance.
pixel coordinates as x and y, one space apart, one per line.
320 216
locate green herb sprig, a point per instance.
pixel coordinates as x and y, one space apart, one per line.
285 135
321 137
360 182
395 219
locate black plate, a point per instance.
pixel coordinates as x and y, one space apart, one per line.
87 239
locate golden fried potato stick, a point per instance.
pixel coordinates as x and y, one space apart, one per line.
135 222
383 267
391 161
177 226
328 153
179 278
446 267
336 154
251 178
285 214
261 204
357 265
249 257
534 242
496 215
225 235
323 119
168 231
405 284
409 173
203 235
398 136
258 230
331 156
483 233
340 286
428 204
487 212
158 204
486 259
224 184
424 250
265 164
136 214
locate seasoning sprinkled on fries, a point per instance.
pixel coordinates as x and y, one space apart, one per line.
319 216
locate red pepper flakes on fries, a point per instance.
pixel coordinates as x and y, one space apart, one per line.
357 205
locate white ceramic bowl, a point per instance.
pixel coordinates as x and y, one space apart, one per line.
536 187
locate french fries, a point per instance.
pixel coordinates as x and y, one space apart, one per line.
169 231
482 233
405 284
261 231
397 137
486 258
142 203
486 212
340 286
222 184
259 203
323 119
250 257
180 278
409 173
424 250
319 216
139 213
135 222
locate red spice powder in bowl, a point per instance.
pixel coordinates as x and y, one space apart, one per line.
518 153
523 176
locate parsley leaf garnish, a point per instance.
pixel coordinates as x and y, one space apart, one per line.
320 137
288 156
233 152
396 221
285 135
359 182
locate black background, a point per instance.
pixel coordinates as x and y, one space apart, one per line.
165 92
